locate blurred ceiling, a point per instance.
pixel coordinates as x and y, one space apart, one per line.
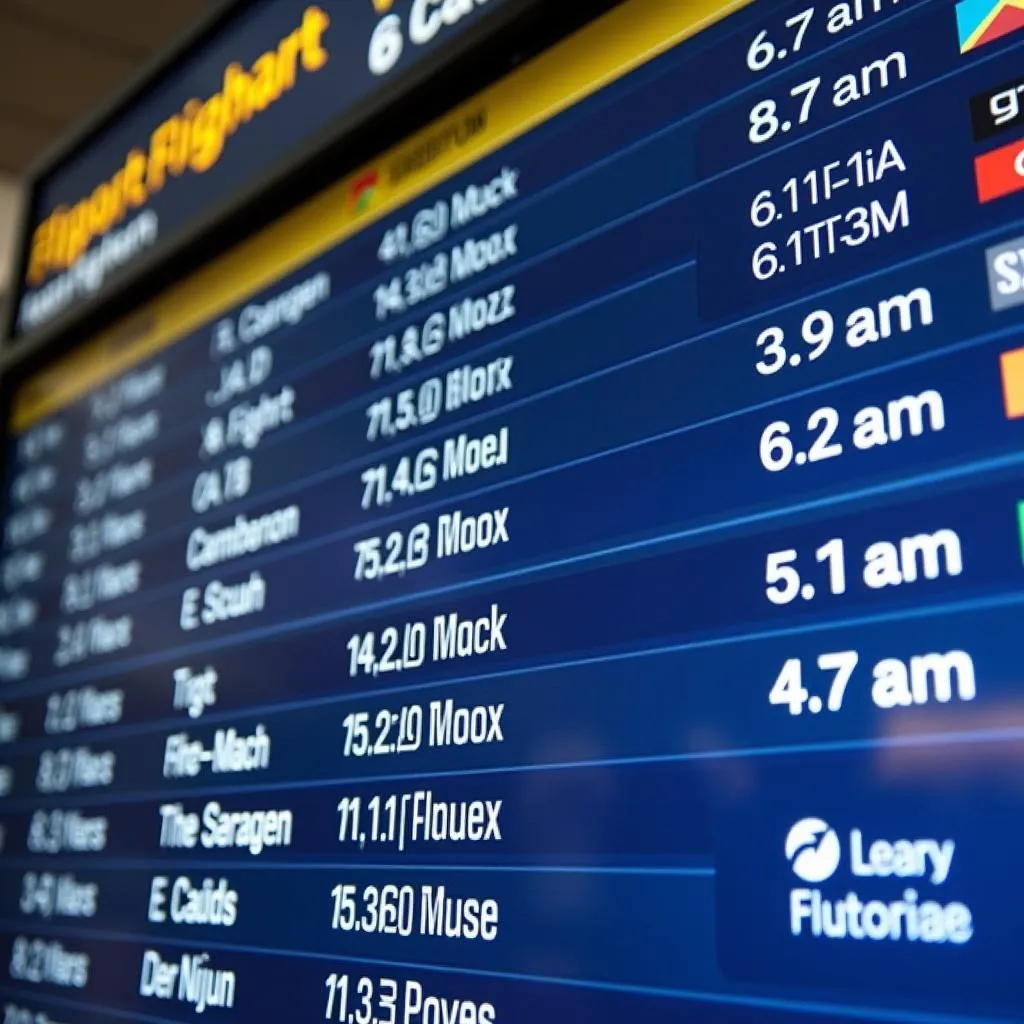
60 59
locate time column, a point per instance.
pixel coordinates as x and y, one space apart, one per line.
28 528
28 538
29 523
104 451
117 469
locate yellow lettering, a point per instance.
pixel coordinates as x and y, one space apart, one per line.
208 135
181 145
287 58
117 193
41 253
134 178
265 89
59 236
161 145
237 87
193 139
78 236
314 24
101 210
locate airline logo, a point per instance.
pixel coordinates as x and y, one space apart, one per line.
383 6
1001 172
980 22
364 191
881 869
1020 526
1005 263
812 848
1011 368
997 111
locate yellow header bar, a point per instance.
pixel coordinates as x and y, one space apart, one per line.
622 40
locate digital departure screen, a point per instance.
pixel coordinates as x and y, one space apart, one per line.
571 570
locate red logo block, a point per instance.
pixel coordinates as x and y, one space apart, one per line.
1000 172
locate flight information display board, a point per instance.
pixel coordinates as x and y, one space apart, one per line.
570 570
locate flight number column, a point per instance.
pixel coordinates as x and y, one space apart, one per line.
391 821
465 454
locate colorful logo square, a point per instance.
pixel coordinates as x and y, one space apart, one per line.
980 22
